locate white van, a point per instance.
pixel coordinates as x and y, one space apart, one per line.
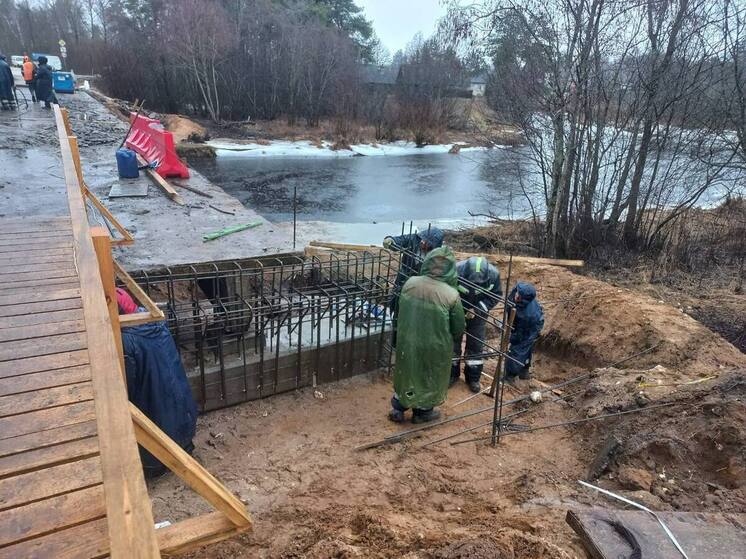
52 60
16 60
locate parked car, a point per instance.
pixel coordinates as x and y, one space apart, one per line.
16 60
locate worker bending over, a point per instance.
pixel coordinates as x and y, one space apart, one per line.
156 382
479 285
430 319
527 325
414 247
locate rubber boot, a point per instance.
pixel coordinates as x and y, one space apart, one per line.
475 387
396 416
425 416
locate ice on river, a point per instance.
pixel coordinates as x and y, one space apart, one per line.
283 148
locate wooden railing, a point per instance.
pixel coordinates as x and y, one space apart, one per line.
121 424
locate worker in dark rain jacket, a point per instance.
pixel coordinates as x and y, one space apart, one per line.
528 323
414 247
479 286
430 319
156 382
7 81
43 83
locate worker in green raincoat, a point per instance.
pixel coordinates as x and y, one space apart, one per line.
430 319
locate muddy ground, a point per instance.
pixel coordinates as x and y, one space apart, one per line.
292 458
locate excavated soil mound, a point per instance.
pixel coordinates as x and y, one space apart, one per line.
506 544
688 456
594 324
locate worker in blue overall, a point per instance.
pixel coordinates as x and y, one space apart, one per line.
527 325
479 286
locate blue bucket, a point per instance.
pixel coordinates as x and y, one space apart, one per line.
127 164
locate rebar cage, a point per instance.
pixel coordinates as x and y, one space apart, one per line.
251 328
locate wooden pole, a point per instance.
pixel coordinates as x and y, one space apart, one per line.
102 245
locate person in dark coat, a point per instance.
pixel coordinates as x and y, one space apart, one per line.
7 81
414 247
43 84
156 382
479 286
528 323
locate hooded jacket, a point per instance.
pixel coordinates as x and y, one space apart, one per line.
481 290
528 323
157 384
411 260
6 79
430 319
44 91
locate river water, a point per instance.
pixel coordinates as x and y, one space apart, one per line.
438 188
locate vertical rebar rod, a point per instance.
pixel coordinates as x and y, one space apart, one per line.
500 392
295 211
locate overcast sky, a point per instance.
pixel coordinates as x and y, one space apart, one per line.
396 21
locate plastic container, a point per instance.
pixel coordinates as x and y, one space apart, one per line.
63 82
127 164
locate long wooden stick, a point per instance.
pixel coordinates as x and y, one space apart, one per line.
187 468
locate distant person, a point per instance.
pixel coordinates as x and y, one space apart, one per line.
528 323
480 292
43 84
156 381
29 76
414 247
430 319
7 81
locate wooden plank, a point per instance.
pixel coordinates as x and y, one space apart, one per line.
129 514
39 294
46 398
30 242
36 255
62 272
47 457
161 183
37 258
138 293
50 437
102 246
43 363
41 484
35 247
24 226
21 349
41 307
51 515
41 330
187 468
37 267
45 379
192 533
34 285
85 541
62 232
40 318
699 534
41 420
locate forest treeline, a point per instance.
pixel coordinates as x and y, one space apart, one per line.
632 112
235 60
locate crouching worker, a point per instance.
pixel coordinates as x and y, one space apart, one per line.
528 323
479 294
156 382
430 319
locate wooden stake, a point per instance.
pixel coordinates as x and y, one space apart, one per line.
102 246
187 468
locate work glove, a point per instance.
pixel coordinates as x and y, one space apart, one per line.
469 314
388 242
